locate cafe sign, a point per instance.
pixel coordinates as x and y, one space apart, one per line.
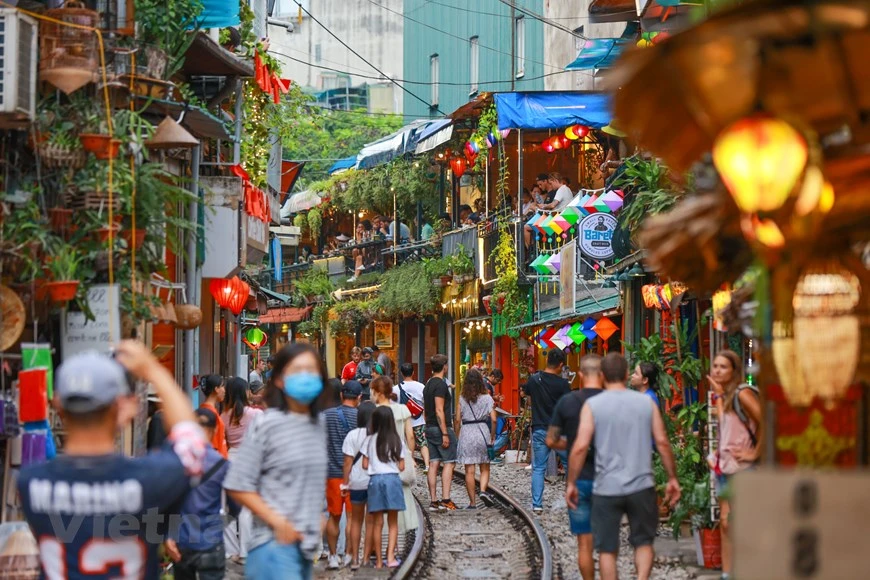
596 235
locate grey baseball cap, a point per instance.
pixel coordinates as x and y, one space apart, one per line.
89 381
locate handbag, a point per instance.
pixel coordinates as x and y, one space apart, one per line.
414 406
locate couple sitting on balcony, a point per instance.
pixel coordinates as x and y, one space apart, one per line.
374 230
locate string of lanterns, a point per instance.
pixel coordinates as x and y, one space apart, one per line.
565 140
471 326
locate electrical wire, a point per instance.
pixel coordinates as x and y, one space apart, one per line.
362 58
463 39
538 17
423 83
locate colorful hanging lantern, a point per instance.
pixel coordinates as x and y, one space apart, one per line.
556 142
231 294
504 133
570 134
548 146
580 130
255 338
760 159
564 142
605 328
458 165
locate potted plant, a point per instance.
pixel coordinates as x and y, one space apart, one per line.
462 265
164 31
96 138
437 270
61 147
63 267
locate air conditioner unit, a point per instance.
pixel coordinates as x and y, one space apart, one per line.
18 56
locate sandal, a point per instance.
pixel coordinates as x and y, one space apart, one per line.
354 566
394 564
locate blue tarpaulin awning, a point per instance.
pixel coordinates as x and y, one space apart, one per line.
598 53
552 109
343 164
219 14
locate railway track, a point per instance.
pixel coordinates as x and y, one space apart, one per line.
502 541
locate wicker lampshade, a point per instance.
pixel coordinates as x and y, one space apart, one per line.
791 376
827 329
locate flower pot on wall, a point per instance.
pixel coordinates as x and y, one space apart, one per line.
134 238
102 146
63 291
60 219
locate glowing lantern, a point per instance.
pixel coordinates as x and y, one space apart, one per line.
255 338
763 231
760 160
570 134
547 146
563 141
555 142
580 130
458 165
231 294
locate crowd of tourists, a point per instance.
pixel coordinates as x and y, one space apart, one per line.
290 465
607 433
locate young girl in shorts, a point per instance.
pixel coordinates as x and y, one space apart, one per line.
356 481
384 459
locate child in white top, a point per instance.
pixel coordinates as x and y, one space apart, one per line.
384 458
356 482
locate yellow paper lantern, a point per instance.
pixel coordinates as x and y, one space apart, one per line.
570 134
760 159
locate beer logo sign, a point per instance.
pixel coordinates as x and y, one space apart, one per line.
596 235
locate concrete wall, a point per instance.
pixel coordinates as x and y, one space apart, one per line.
370 30
561 48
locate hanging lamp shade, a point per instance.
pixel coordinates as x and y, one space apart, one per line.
255 338
67 79
458 165
760 159
171 135
231 294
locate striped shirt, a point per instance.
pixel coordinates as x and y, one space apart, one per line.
283 458
336 431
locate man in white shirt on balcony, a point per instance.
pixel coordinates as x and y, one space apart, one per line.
563 193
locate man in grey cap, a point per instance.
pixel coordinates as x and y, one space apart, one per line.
96 511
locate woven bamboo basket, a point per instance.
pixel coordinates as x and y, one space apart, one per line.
827 329
189 316
55 157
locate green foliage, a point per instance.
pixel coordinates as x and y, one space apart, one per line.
461 262
649 191
316 133
314 283
504 259
487 123
169 25
437 267
301 222
351 316
63 265
665 357
407 289
315 222
404 180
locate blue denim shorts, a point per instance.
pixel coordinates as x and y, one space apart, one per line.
359 496
274 561
580 517
386 493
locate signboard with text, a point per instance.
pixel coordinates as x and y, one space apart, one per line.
804 524
99 334
596 235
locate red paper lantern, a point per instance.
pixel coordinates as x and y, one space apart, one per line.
580 130
231 294
555 142
547 146
458 165
563 141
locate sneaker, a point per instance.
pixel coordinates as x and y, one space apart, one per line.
537 510
347 560
425 470
471 507
351 280
435 506
487 499
334 563
448 504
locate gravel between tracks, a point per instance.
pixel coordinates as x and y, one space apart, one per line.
515 480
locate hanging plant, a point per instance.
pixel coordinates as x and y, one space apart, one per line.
351 317
512 305
408 289
301 222
315 222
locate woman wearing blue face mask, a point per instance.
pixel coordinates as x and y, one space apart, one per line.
280 471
